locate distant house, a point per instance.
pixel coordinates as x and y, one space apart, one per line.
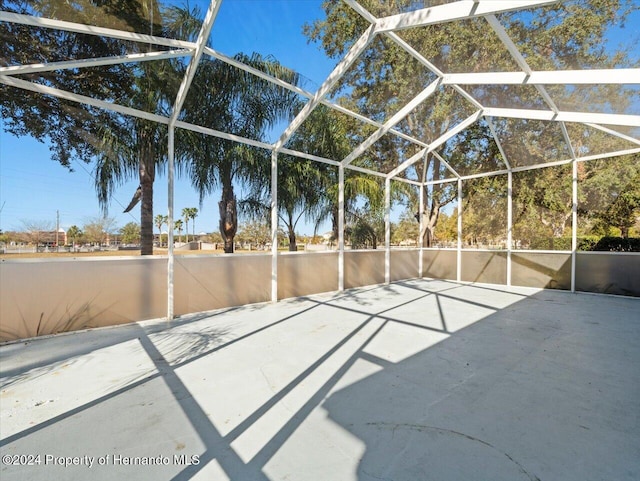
50 239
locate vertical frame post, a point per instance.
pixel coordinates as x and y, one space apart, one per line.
509 223
459 249
420 238
387 230
274 226
341 227
170 262
574 222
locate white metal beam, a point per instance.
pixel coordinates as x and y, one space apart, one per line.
453 11
341 227
203 35
520 60
444 162
340 69
92 30
94 62
615 133
459 243
274 226
574 205
63 94
304 93
621 76
496 139
411 51
562 116
438 142
201 43
397 117
387 230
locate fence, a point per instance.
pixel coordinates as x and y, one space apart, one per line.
44 296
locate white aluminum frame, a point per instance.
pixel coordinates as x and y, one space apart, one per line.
388 26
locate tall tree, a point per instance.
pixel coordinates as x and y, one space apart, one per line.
123 147
130 233
189 213
385 77
160 220
226 98
74 233
178 225
331 135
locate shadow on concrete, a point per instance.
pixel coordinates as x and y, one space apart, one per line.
513 385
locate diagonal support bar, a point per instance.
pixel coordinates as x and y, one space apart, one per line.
94 62
397 117
453 11
201 43
438 142
91 30
340 69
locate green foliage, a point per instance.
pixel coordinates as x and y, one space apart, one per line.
406 231
130 233
562 243
564 35
255 233
74 234
618 244
367 231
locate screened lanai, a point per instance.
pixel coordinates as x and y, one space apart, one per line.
538 107
499 344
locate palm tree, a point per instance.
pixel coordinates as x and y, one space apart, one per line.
300 189
189 213
193 213
226 98
74 233
178 225
326 134
159 220
134 146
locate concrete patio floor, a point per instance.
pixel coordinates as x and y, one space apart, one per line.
418 380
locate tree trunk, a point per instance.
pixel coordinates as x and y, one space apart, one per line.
429 221
228 217
335 222
293 245
431 213
147 174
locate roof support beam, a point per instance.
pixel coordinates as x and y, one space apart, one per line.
201 41
94 62
615 133
303 93
401 114
438 142
520 60
92 30
83 99
583 117
452 11
621 76
340 69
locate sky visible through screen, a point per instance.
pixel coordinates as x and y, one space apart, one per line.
34 188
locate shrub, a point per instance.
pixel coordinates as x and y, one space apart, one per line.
585 243
617 244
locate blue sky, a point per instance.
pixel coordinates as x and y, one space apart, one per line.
33 187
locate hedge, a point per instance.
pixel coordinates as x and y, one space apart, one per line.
587 243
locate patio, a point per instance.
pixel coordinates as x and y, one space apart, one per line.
419 379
